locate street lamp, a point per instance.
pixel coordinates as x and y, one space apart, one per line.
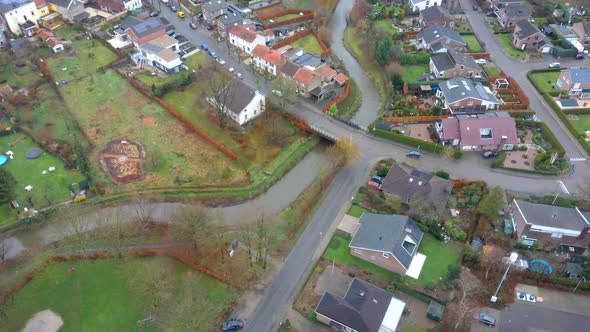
513 258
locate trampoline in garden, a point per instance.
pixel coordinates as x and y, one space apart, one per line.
33 153
3 159
541 266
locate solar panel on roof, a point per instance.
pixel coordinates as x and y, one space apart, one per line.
568 102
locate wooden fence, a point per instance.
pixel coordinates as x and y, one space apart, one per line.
339 99
418 118
291 39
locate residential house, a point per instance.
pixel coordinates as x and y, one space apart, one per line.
326 75
268 34
508 15
576 81
436 15
241 102
287 73
160 53
437 38
305 81
388 241
5 92
20 16
409 184
266 59
132 4
497 4
212 10
70 10
419 5
42 8
51 21
555 227
527 36
340 79
479 133
364 308
454 64
145 31
110 6
582 29
303 59
244 38
228 20
465 96
568 33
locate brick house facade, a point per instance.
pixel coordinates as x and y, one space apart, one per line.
379 258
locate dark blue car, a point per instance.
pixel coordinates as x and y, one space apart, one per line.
414 154
232 325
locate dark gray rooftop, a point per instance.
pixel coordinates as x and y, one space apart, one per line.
289 69
61 3
449 59
568 102
458 88
363 307
239 94
10 5
144 28
517 10
214 5
436 33
527 29
551 216
230 19
433 13
387 233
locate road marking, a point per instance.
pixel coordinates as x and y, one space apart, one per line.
563 187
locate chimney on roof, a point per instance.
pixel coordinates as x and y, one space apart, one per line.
362 293
419 183
411 180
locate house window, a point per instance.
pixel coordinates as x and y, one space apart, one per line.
373 258
470 103
356 251
386 254
485 132
556 235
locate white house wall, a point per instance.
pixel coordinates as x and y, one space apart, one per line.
20 15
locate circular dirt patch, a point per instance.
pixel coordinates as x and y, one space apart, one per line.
527 163
123 160
149 121
513 161
44 321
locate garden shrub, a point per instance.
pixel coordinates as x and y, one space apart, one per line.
442 174
455 232
426 146
382 172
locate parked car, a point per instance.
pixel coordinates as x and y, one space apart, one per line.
192 25
481 61
554 65
212 54
491 14
414 154
489 154
200 15
220 60
173 9
232 325
486 319
474 7
375 182
204 47
580 56
170 33
154 14
231 69
180 14
277 92
240 76
178 36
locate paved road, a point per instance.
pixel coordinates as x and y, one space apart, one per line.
521 316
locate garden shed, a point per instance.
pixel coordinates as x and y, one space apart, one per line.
435 311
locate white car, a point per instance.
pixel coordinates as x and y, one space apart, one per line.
231 69
554 65
220 61
481 61
277 92
239 75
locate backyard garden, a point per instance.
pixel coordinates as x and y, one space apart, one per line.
114 294
309 44
472 43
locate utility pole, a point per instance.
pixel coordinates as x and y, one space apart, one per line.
513 258
580 281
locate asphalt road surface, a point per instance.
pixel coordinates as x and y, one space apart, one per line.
523 317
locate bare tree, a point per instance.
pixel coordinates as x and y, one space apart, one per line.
348 148
220 96
4 249
195 225
144 212
74 228
491 258
246 231
116 233
462 308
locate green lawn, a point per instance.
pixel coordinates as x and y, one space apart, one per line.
413 72
102 295
545 80
91 55
582 123
506 41
386 26
196 60
491 70
309 44
19 77
48 188
439 256
472 43
356 211
540 20
284 17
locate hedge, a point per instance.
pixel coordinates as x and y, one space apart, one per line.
420 58
426 146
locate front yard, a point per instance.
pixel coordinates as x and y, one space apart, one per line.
472 43
545 80
505 40
439 256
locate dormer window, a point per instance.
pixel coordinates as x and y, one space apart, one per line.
485 133
409 245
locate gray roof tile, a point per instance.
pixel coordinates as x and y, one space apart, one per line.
435 33
433 13
527 29
551 215
458 88
580 75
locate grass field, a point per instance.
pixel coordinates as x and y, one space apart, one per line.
356 211
472 43
283 18
545 80
386 26
582 123
48 188
491 70
309 44
506 42
19 77
439 256
110 295
412 73
91 55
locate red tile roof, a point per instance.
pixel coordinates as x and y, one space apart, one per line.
242 33
469 129
450 128
268 32
304 75
52 42
326 71
40 3
266 53
44 34
341 78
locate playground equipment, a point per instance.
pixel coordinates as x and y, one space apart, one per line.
145 321
541 266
